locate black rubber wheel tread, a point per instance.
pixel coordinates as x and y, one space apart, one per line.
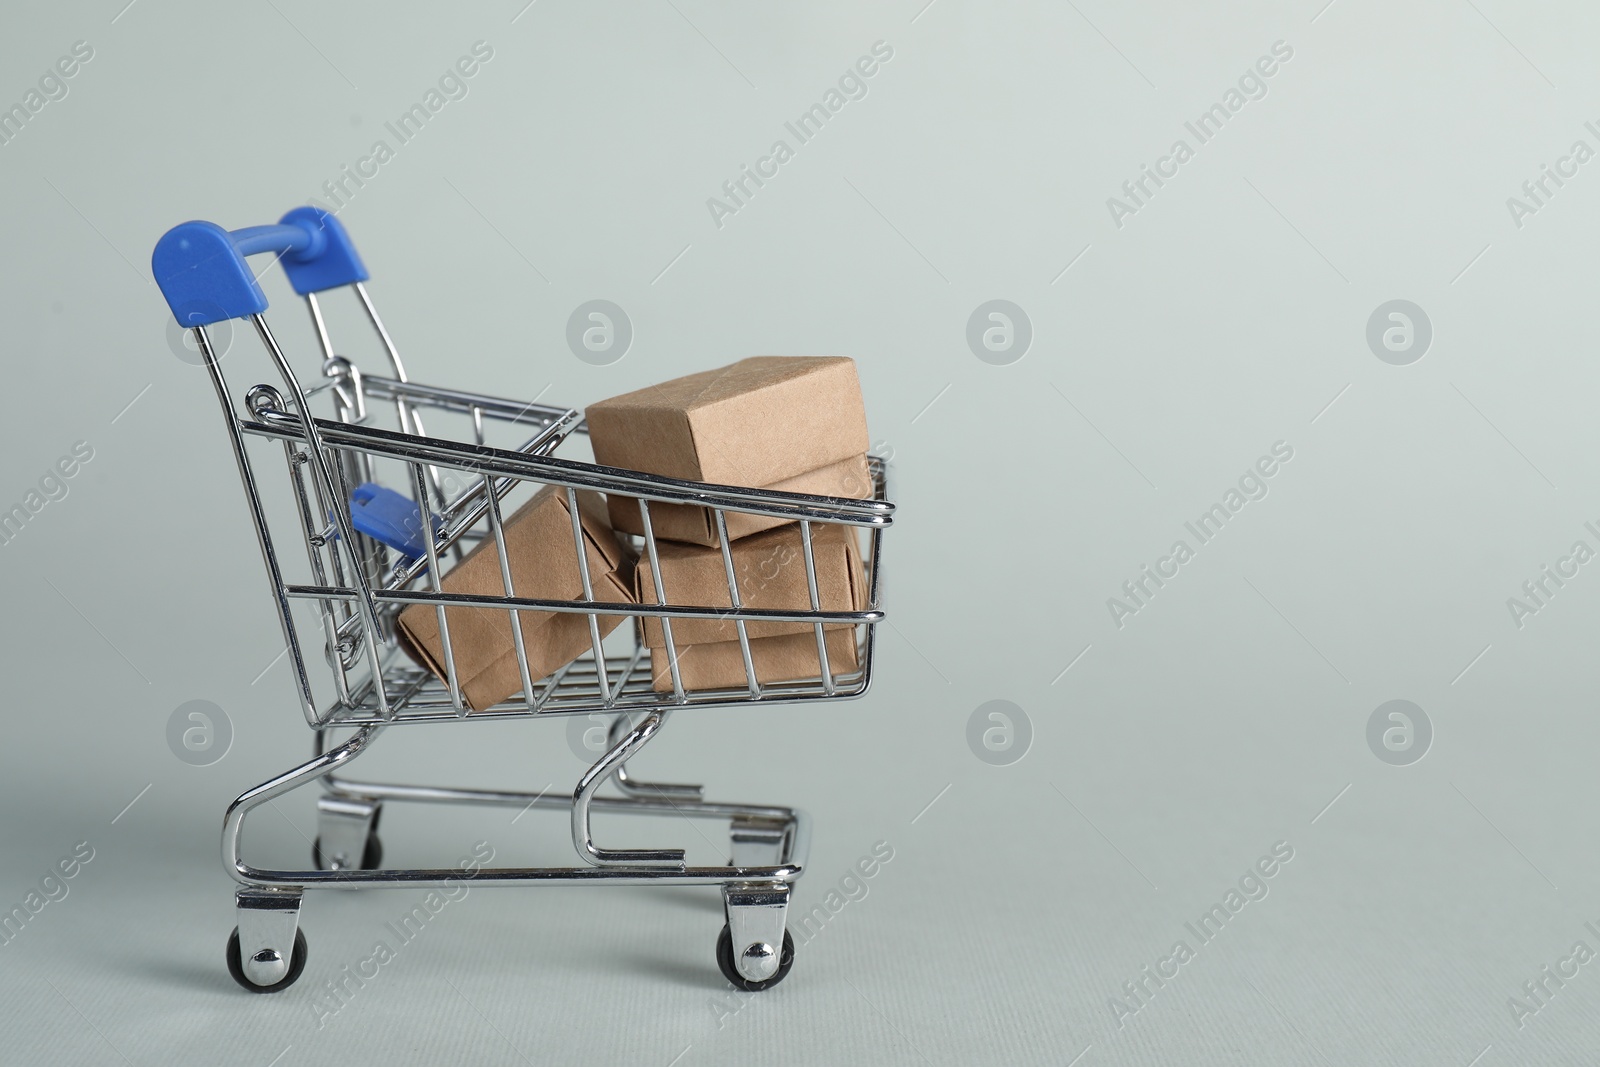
731 972
297 963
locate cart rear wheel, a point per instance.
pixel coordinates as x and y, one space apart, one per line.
297 963
730 970
371 856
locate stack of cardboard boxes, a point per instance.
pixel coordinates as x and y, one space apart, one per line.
790 423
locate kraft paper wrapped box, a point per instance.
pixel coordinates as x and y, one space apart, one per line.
771 572
544 566
791 423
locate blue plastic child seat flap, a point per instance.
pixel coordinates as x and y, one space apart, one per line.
391 519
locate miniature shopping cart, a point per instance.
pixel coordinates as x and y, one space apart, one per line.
353 578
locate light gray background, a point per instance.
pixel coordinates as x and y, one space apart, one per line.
1228 314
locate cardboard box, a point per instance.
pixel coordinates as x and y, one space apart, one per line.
771 573
785 658
544 566
792 423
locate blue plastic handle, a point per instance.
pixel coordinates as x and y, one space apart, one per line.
201 267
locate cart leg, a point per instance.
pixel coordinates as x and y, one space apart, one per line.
593 779
755 950
267 951
347 834
758 842
631 787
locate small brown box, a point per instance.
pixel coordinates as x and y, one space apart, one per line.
791 423
784 658
544 566
771 572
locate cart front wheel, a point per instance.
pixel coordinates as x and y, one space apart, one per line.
371 856
297 963
730 970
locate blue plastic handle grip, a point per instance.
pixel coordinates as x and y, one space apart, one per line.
201 267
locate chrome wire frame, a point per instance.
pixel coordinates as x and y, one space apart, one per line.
613 867
358 590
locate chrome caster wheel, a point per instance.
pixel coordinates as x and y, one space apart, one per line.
371 856
267 964
754 953
347 828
